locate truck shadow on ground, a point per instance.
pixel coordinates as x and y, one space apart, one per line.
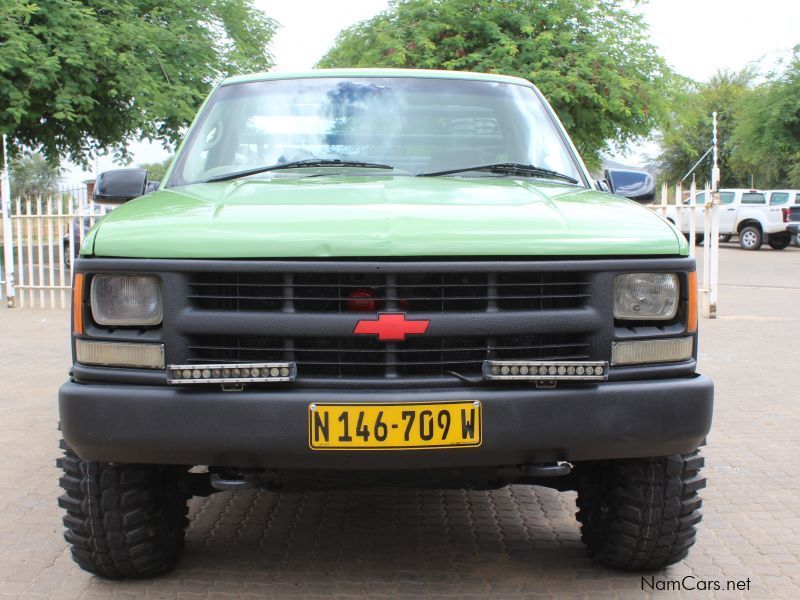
391 542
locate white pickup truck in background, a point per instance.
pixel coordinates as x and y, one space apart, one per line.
789 199
742 212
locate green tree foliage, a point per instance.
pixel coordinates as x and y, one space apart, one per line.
77 76
157 170
687 134
766 140
590 58
32 174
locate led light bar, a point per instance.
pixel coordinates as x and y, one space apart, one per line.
546 370
232 373
119 354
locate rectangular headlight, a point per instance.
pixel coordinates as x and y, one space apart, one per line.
119 354
119 300
651 351
646 296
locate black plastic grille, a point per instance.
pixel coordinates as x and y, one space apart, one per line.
371 292
367 357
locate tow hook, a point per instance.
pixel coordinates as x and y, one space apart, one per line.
234 480
547 470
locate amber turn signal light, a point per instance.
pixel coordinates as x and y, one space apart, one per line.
77 304
691 320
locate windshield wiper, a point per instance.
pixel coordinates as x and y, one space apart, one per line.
506 169
309 162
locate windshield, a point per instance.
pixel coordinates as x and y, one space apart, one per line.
415 125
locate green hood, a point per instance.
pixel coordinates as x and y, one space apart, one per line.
356 215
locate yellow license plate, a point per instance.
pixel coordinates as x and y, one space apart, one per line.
394 426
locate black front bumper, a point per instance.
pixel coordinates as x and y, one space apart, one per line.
168 425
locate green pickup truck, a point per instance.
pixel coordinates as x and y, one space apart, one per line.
380 278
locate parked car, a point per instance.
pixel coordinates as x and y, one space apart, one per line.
742 212
380 277
81 225
791 200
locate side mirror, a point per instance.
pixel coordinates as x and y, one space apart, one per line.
635 185
120 185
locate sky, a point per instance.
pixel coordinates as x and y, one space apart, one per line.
696 37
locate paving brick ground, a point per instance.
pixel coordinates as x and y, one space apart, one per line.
519 542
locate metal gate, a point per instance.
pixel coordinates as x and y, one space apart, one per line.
41 237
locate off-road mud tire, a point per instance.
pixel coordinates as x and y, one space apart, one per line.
640 514
122 520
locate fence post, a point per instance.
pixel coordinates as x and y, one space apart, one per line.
712 245
40 249
8 240
20 254
712 250
60 234
692 219
71 232
29 238
706 284
50 263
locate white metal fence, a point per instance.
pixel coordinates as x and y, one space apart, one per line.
41 237
684 211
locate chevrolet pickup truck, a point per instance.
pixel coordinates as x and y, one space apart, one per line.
380 278
742 212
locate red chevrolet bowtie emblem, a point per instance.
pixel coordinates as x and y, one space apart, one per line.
391 327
